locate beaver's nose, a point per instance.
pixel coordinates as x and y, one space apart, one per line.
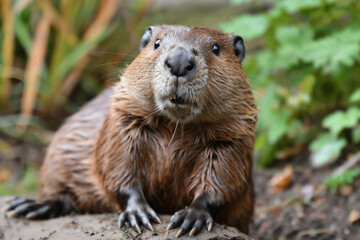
180 63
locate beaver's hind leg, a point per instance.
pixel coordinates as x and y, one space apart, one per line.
38 209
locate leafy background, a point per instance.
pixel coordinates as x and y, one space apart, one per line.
302 62
306 76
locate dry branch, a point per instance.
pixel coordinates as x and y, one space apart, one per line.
7 51
102 20
19 6
32 76
61 24
348 164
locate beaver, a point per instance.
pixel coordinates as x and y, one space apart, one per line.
175 135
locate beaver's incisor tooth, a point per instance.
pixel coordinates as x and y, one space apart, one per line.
173 97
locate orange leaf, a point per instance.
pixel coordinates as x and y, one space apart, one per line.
281 180
4 175
354 216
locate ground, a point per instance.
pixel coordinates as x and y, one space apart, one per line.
100 226
294 214
304 210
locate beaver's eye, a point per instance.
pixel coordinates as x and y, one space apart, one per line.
157 44
216 49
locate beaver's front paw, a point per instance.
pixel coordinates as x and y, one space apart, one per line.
138 210
190 217
17 207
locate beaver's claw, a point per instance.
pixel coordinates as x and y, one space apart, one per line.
30 209
193 218
136 211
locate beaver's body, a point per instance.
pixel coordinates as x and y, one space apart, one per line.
68 170
178 131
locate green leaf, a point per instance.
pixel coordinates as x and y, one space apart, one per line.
291 40
275 122
291 6
355 96
295 35
266 153
261 141
238 2
267 156
247 26
320 141
6 190
340 120
23 34
325 149
356 135
307 84
260 70
347 177
30 178
329 53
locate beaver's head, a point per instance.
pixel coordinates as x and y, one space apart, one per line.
190 72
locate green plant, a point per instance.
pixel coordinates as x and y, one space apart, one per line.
303 73
347 177
26 187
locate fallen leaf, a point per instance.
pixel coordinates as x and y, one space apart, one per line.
320 201
5 174
354 216
346 190
281 180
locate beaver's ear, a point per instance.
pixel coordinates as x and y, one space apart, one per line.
146 37
239 47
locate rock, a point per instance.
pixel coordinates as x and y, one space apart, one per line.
307 192
99 226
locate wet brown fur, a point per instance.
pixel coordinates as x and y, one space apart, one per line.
103 150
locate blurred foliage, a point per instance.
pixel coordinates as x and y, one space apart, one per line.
26 187
305 75
347 177
52 57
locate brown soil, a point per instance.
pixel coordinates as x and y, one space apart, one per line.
289 215
100 226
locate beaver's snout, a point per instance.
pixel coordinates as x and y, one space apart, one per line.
180 81
180 62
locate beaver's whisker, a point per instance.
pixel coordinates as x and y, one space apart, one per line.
174 132
120 62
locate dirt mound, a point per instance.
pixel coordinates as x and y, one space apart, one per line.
100 226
